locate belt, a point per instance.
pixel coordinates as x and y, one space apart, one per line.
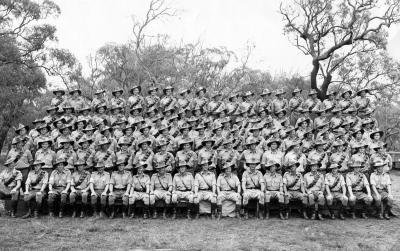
119 189
358 190
272 190
184 190
230 190
60 186
204 189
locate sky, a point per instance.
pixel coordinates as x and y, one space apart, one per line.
86 25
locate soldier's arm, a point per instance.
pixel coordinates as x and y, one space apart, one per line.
328 191
174 183
373 185
28 183
128 187
111 184
152 184
148 187
45 182
170 183
196 184
244 182
68 184
349 188
262 183
219 185
214 185
281 186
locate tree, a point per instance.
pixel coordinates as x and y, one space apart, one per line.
337 33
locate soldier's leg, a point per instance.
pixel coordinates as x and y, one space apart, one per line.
213 200
312 205
267 200
53 196
221 197
261 201
196 205
94 198
30 200
190 198
125 205
152 204
63 202
387 203
103 205
175 196
281 201
111 201
84 207
321 202
14 203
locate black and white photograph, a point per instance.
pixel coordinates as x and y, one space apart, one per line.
200 125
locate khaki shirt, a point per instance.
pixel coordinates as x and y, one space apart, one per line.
6 174
24 158
276 156
228 156
183 182
380 181
33 178
48 157
76 176
146 157
60 179
161 183
164 158
209 155
120 180
100 156
228 183
273 182
289 179
140 182
309 178
330 180
252 180
205 180
100 180
189 157
352 178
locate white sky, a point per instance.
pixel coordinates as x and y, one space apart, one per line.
86 25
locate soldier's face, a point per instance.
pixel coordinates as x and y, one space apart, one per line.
168 92
334 171
100 169
58 94
296 148
135 91
377 136
162 170
124 147
85 145
140 169
144 146
68 111
81 168
117 94
66 145
45 145
146 131
104 147
186 146
380 169
208 144
101 110
37 167
121 167
204 167
379 150
182 169
253 147
197 113
81 125
252 167
314 168
274 146
272 168
293 168
320 147
362 94
22 131
128 131
218 131
185 131
228 170
163 148
60 166
167 113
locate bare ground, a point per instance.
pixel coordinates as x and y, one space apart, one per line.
204 234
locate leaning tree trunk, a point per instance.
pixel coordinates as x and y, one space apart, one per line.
3 134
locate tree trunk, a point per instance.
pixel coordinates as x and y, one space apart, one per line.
3 134
313 76
325 86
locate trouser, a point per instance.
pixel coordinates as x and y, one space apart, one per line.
336 196
24 172
55 194
360 196
296 195
83 195
277 195
160 195
385 199
205 195
7 195
139 196
316 197
35 199
182 195
253 194
229 195
118 194
97 197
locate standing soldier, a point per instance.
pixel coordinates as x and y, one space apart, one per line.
67 153
253 185
293 188
294 154
182 188
228 188
117 99
335 190
216 105
135 99
205 189
319 154
22 157
80 187
363 103
251 153
185 154
273 187
163 157
274 154
160 189
59 98
382 189
46 155
294 104
183 102
200 100
279 103
119 187
10 184
85 152
99 98
168 100
105 154
59 184
264 103
346 100
247 105
330 101
76 100
315 187
99 183
357 183
35 189
208 154
125 151
152 100
228 156
312 103
233 105
140 191
145 154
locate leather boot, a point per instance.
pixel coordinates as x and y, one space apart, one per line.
353 213
62 208
237 213
102 211
319 215
305 216
287 210
74 206
213 209
174 212
188 213
197 211
124 210
132 211
96 212
83 210
154 213
341 215
164 214
219 212
264 209
281 211
30 210
246 212
51 208
386 213
380 211
14 204
146 213
112 208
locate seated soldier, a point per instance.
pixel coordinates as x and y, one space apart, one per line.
253 185
10 183
140 190
293 187
160 189
205 189
273 187
182 188
59 184
80 187
335 189
120 186
357 183
382 189
314 187
228 188
99 183
35 188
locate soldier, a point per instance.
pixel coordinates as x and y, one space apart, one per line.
78 133
293 188
294 153
120 187
135 99
22 132
279 103
140 190
185 154
84 115
182 188
264 103
168 100
145 135
357 183
273 187
160 189
59 98
145 154
330 101
99 99
64 136
335 190
312 103
200 100
363 103
152 100
163 157
69 113
135 115
359 155
315 187
339 156
22 157
10 184
319 154
67 153
251 153
125 152
208 154
34 133
183 102
228 156
233 105
117 99
253 186
274 154
295 102
346 100
59 184
105 154
80 188
228 188
35 189
99 183
382 189
205 189
216 105
85 151
380 154
198 140
46 155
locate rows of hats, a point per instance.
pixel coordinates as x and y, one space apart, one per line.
299 126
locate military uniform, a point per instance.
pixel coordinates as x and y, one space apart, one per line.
59 182
335 183
35 186
121 182
182 186
383 198
205 185
356 183
252 184
160 187
80 183
99 185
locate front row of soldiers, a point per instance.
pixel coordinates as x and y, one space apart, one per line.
98 190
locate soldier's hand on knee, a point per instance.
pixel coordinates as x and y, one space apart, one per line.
104 194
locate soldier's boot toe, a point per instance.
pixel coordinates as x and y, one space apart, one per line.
333 217
266 215
73 214
313 216
380 216
246 216
364 216
60 214
164 216
305 216
213 216
281 216
219 216
51 214
286 215
145 216
188 215
155 214
341 216
237 215
173 216
386 216
197 216
320 216
112 215
102 215
82 215
13 214
353 215
27 215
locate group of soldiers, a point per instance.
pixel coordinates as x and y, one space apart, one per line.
181 146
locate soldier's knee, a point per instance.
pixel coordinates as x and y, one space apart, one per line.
267 198
174 198
281 199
